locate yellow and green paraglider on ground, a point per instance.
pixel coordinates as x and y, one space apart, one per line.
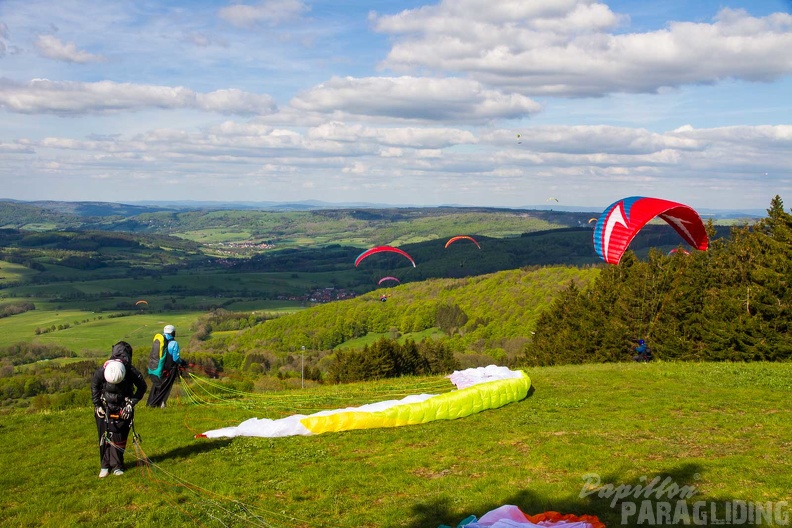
478 389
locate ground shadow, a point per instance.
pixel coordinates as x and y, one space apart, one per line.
202 446
612 512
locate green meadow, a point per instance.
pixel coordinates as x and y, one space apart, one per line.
719 431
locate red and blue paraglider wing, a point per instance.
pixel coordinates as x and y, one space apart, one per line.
380 249
462 237
622 220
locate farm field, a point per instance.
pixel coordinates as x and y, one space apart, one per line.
721 430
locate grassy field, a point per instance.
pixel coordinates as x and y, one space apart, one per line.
97 333
722 429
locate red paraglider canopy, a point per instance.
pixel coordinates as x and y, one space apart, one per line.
380 249
462 237
383 279
620 222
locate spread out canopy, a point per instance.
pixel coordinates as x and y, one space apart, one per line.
380 249
141 302
478 389
622 220
462 237
509 516
383 279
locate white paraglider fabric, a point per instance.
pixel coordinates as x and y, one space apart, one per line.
505 386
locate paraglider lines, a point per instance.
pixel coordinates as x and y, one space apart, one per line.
209 500
202 391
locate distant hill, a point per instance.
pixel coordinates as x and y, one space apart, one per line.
489 314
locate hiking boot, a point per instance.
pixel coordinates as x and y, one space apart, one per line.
118 472
104 472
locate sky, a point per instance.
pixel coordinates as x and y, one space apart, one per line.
499 103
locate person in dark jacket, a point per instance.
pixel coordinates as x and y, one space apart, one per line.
116 387
642 352
163 375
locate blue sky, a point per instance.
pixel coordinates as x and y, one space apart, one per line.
472 102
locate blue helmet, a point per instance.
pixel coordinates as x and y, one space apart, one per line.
641 342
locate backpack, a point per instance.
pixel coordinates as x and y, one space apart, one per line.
158 348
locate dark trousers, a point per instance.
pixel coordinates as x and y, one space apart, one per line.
161 387
113 436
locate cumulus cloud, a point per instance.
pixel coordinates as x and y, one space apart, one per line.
570 48
269 12
42 96
51 47
414 98
592 163
590 139
412 137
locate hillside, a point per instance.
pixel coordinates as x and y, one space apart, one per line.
491 314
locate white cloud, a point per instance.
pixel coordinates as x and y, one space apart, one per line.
15 148
42 96
407 137
565 49
51 47
414 98
593 139
595 165
270 12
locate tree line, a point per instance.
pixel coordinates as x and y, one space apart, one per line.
729 303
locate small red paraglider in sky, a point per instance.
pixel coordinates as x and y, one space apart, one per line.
462 237
380 249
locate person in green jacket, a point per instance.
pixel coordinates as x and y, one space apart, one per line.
166 371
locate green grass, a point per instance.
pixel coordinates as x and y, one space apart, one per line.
723 428
10 272
94 335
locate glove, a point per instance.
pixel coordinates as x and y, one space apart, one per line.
100 413
126 412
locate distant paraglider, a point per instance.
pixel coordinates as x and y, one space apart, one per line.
140 302
551 199
462 237
622 220
380 249
383 279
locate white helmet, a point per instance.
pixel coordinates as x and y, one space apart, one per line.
169 329
114 372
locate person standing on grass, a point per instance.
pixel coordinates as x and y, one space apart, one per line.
163 367
116 387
